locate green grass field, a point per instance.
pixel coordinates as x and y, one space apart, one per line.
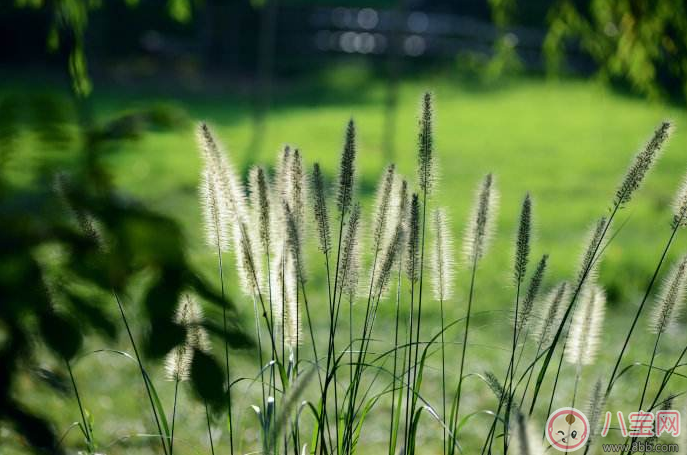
566 142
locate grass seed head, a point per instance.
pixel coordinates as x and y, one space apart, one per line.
595 406
522 242
524 440
349 270
481 224
232 207
426 145
320 210
394 244
680 205
382 207
671 298
260 203
586 326
189 315
347 169
642 163
532 291
551 314
442 264
591 253
413 246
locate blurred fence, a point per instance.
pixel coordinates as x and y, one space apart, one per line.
411 34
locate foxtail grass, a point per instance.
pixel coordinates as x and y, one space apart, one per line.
475 244
442 267
178 362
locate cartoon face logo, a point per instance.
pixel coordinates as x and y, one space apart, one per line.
567 429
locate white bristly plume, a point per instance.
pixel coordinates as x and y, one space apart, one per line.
442 256
551 313
349 268
215 224
482 220
671 298
680 205
383 206
232 209
393 245
524 439
587 323
190 316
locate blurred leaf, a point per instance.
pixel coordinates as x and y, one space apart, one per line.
61 334
162 415
55 381
163 337
79 73
179 10
207 377
51 115
94 315
9 126
35 430
236 337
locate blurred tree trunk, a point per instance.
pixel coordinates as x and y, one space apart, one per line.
393 68
225 24
264 79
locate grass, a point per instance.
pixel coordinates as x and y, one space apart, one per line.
567 143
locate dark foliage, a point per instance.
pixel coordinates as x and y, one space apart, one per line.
105 240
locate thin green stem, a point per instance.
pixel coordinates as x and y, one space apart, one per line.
226 344
419 300
411 365
86 426
443 372
142 371
174 415
459 388
641 307
646 383
583 277
207 417
393 431
511 368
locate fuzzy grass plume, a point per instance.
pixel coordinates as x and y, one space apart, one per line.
426 145
494 384
595 407
680 205
297 190
320 210
232 209
349 270
413 240
532 292
642 163
214 219
260 194
522 243
347 170
394 245
383 208
671 298
524 440
442 264
189 315
589 263
586 326
551 314
482 220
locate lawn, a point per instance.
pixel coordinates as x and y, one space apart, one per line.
566 142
